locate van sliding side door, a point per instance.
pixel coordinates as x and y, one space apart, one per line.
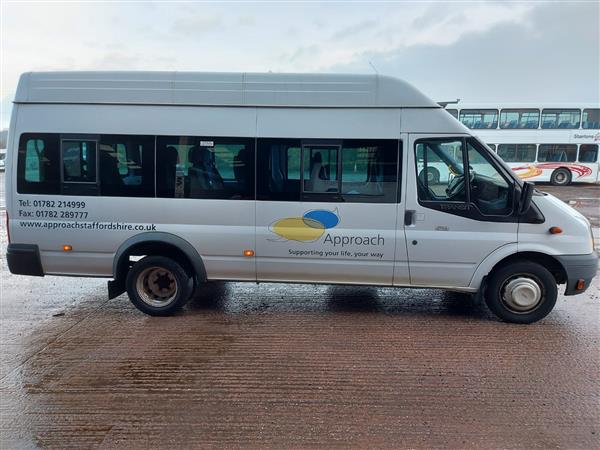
326 210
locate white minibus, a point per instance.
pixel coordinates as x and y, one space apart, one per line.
162 181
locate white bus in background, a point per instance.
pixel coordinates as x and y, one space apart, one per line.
541 143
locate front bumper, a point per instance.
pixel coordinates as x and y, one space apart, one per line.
579 267
24 259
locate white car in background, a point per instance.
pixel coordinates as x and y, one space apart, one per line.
2 159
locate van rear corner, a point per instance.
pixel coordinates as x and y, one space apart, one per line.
24 259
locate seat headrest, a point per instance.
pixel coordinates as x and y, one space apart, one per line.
205 155
171 155
194 155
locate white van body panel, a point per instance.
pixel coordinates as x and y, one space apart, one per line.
439 249
329 123
401 269
575 238
223 233
136 119
431 121
218 234
340 254
227 89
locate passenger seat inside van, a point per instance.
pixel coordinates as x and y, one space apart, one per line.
204 176
166 172
319 176
110 178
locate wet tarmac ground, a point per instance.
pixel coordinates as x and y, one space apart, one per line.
280 366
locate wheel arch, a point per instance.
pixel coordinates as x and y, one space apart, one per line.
155 243
509 253
565 168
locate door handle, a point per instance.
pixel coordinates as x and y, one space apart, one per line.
409 217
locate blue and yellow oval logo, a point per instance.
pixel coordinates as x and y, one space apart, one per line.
307 228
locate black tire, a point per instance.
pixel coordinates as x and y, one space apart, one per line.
561 177
158 286
524 276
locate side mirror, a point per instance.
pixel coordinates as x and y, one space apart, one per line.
526 195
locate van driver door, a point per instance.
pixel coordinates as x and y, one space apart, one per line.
460 207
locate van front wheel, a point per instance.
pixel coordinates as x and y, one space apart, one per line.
158 285
521 292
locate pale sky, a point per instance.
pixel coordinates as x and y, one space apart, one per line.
478 51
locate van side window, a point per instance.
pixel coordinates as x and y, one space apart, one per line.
79 161
443 178
321 169
126 165
350 170
489 190
293 163
205 167
279 169
79 164
38 166
440 170
369 170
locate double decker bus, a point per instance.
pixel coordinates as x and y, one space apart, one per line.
541 143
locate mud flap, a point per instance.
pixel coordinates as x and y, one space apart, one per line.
115 288
479 296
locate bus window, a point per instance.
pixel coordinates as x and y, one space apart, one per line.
320 169
588 153
557 153
369 170
79 161
591 119
38 166
278 170
560 118
517 152
293 163
126 165
360 171
205 167
479 118
519 118
492 146
453 112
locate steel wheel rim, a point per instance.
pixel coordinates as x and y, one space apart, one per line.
561 177
157 286
522 293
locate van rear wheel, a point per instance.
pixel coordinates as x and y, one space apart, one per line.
521 292
158 285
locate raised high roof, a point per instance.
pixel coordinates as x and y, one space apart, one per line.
220 89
